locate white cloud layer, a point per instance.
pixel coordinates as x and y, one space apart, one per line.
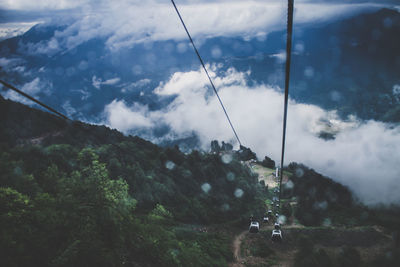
32 88
98 82
126 23
365 155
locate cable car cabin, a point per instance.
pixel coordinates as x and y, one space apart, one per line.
266 219
269 213
276 236
276 215
277 226
254 227
277 206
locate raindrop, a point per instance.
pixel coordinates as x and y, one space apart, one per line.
83 65
309 72
151 58
181 47
169 165
225 207
320 205
335 96
327 222
299 172
186 173
299 48
261 37
169 48
238 193
226 158
216 52
289 185
230 176
137 70
387 22
206 187
332 197
17 171
396 91
282 219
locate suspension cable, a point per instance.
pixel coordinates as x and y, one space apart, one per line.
34 100
205 69
287 80
76 124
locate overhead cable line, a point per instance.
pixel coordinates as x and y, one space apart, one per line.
287 80
205 69
34 100
77 124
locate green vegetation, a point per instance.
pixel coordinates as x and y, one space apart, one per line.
88 196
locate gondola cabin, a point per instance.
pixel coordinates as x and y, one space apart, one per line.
254 227
276 236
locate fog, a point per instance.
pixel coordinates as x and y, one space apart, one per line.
365 155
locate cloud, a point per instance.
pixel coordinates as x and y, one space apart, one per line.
98 82
32 88
364 156
69 109
126 23
135 85
41 4
125 118
396 92
9 30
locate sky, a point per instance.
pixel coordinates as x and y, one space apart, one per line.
364 155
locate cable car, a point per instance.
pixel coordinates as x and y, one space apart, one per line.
277 226
266 219
276 235
254 227
269 213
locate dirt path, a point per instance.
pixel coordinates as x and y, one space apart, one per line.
237 242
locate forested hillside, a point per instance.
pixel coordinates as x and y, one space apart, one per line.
74 194
81 195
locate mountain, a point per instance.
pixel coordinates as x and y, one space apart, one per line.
349 65
85 195
74 194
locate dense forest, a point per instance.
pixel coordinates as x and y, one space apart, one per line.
74 194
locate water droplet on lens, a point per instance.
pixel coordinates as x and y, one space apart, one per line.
169 165
230 176
238 193
226 158
206 187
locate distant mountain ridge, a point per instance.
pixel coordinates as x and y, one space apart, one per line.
348 65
